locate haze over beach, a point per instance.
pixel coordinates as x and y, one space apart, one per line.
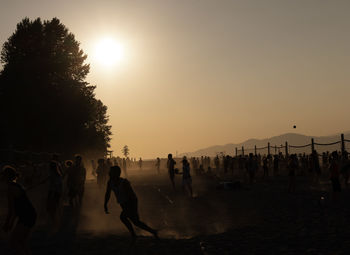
198 73
174 127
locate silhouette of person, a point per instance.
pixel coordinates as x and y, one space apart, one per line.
186 176
345 166
158 165
217 163
140 163
252 167
315 164
171 169
265 167
127 199
19 207
55 191
93 166
275 165
76 181
101 172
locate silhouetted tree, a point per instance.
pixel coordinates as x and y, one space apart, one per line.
125 151
45 102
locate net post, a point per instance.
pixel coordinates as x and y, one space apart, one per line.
342 144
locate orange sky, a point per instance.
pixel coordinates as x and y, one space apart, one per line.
199 73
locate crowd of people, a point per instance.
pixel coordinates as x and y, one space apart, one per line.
335 165
66 182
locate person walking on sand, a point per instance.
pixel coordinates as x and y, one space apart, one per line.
186 176
275 165
101 173
158 165
265 167
171 169
19 207
76 182
127 199
140 164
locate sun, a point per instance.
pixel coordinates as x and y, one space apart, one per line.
108 52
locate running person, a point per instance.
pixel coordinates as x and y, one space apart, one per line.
19 206
171 169
127 199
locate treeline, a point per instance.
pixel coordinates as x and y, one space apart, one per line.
45 102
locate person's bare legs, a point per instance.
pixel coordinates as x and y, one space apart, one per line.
128 225
143 226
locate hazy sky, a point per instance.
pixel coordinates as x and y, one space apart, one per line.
197 73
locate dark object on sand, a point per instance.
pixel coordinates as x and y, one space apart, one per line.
229 185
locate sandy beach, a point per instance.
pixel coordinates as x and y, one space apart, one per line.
262 218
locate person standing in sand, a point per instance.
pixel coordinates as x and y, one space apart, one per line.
127 199
171 169
158 165
19 207
186 176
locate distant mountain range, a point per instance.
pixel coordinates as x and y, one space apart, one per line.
291 138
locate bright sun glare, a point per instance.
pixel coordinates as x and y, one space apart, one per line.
109 52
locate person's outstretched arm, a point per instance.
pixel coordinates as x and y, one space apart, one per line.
107 196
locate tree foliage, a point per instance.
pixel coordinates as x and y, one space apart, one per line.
45 102
125 151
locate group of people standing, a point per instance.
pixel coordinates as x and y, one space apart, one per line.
336 164
186 175
64 183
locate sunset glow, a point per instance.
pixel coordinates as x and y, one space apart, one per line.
108 52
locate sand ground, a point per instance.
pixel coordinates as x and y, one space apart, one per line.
262 218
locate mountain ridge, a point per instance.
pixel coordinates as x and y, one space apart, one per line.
295 139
